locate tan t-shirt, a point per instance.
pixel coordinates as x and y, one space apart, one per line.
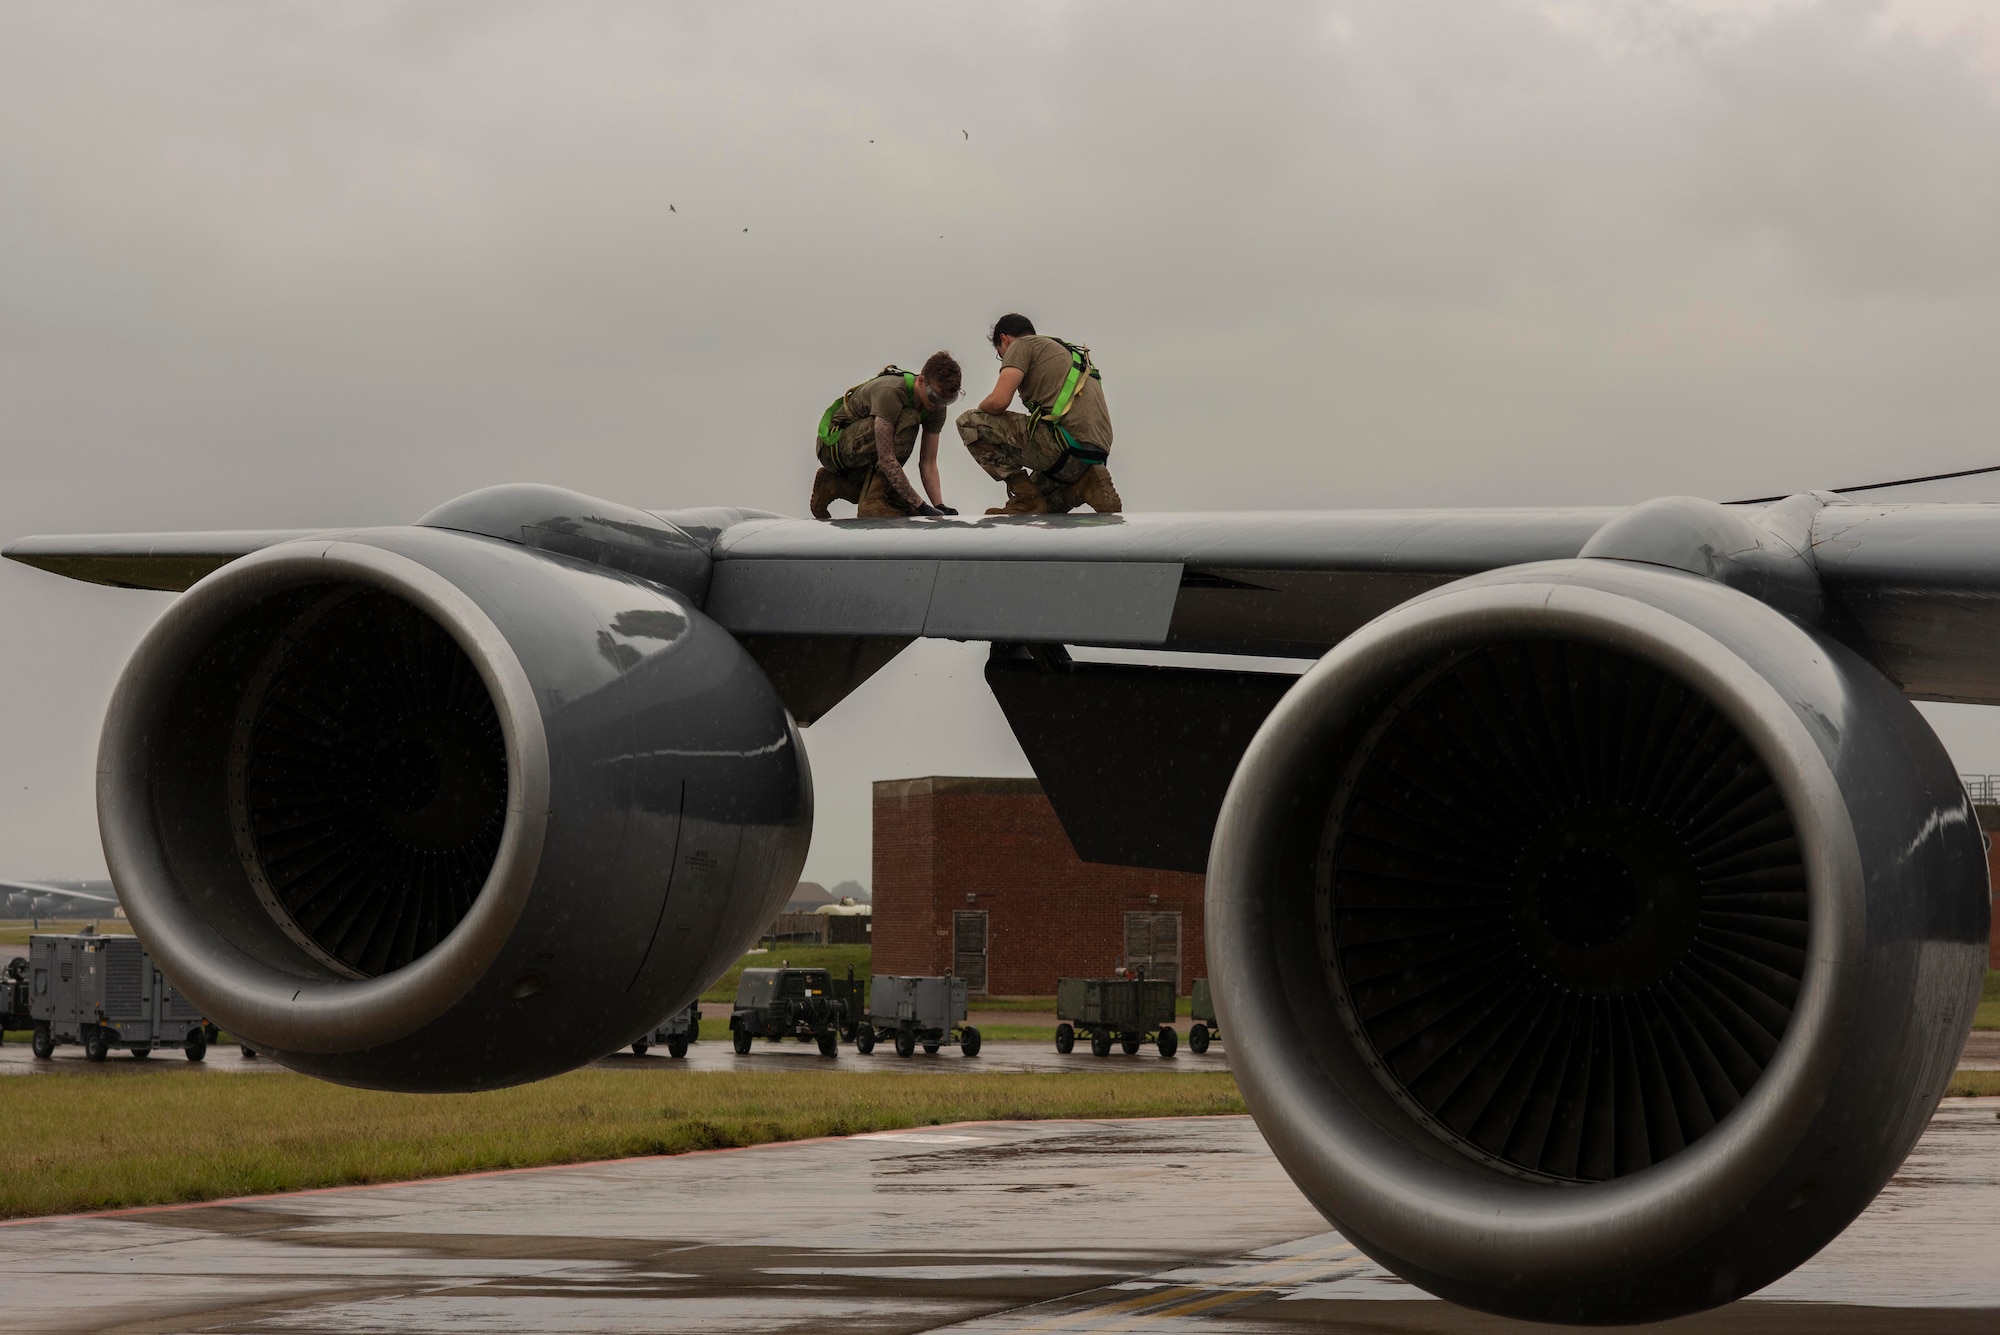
1044 365
886 396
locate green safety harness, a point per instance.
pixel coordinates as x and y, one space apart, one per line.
1080 366
829 434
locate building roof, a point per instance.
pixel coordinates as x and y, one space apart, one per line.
948 783
807 896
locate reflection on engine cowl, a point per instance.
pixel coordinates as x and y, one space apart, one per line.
427 810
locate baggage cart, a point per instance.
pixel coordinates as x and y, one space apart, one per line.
1201 1012
910 1009
103 992
676 1031
1126 1011
785 1003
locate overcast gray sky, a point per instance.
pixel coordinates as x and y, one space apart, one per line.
266 265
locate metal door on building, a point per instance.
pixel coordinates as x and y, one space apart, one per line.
1153 943
968 948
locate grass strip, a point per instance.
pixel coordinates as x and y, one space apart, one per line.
1974 1085
76 1142
1988 1015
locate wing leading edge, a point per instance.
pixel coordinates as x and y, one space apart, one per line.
1916 587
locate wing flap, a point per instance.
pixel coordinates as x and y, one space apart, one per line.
1074 602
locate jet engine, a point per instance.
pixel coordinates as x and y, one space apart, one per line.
1593 938
423 809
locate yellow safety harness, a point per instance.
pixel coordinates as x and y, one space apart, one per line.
1080 366
829 434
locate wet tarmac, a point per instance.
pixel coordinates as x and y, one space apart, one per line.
1172 1225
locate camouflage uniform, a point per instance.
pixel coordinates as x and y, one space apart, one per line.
1042 474
1000 444
863 461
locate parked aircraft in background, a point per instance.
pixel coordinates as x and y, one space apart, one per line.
57 899
1595 925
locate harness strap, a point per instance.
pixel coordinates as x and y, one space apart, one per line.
829 435
1080 365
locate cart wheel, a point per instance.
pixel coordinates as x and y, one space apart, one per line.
1129 1042
829 1044
1065 1039
639 1048
906 1042
96 1045
142 1050
196 1046
43 1044
1168 1041
931 1049
968 1041
864 1039
249 1053
1100 1042
677 1045
1198 1038
742 1041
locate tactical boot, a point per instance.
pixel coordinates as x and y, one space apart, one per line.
1024 497
878 500
1093 489
827 489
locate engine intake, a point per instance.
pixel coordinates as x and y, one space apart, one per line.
424 810
1594 940
1562 907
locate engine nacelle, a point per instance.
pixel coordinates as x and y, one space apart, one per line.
421 809
1594 940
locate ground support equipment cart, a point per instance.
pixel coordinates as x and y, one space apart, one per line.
1201 1010
1126 1011
910 1010
103 992
676 1031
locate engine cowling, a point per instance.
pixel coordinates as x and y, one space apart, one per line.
1594 940
422 809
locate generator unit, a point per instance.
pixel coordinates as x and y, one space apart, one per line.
787 1003
103 992
676 1031
1126 1011
1201 1012
909 1010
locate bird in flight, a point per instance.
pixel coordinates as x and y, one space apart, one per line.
966 133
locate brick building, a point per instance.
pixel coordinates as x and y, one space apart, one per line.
975 877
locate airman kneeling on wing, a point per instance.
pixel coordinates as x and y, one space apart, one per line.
1052 457
867 434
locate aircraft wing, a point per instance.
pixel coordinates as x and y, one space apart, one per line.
169 562
1914 587
55 891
